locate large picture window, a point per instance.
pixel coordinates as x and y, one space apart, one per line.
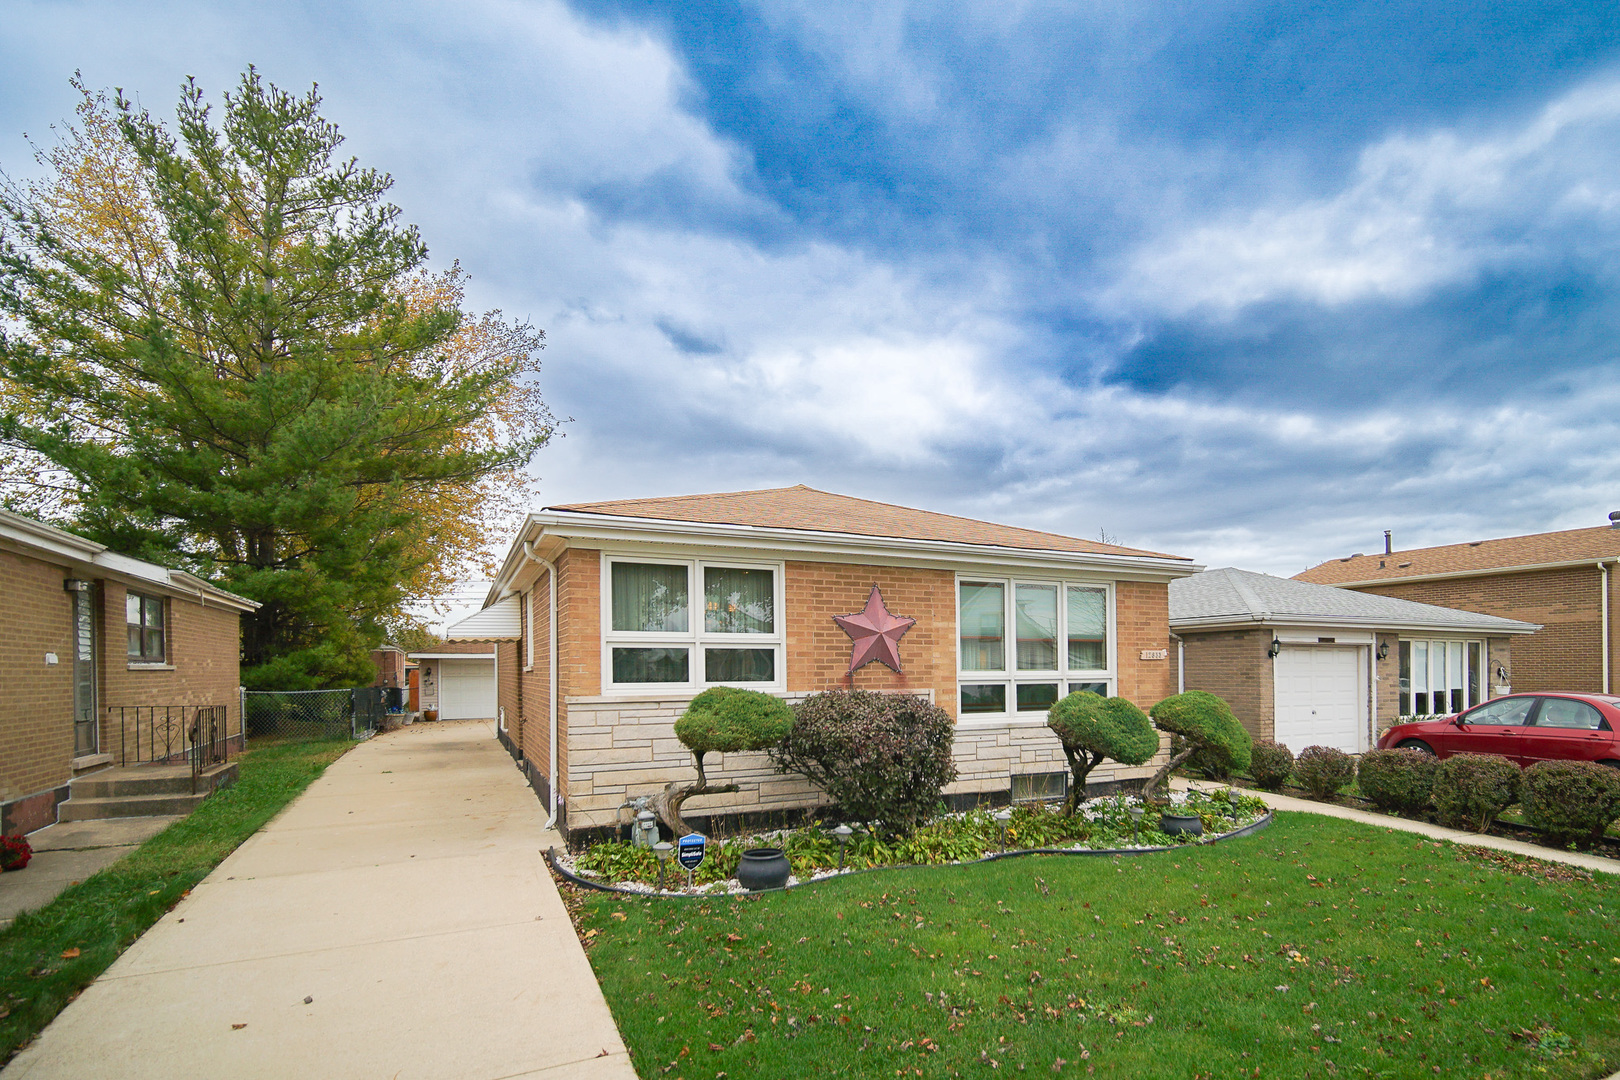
1440 677
1059 644
655 638
144 616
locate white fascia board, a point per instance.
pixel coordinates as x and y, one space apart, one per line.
34 534
1491 571
450 655
1238 622
827 546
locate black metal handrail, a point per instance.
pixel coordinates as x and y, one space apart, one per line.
171 734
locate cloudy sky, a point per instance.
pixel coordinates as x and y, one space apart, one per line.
1248 282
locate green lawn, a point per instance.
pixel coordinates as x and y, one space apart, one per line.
49 955
1314 948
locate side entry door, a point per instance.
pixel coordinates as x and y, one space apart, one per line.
1566 730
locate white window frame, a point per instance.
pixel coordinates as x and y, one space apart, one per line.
1439 639
1009 675
695 639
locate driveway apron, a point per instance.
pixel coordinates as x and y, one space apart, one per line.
396 920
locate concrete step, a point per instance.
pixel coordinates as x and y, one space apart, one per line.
91 809
151 780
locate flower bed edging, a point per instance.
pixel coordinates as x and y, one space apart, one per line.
599 886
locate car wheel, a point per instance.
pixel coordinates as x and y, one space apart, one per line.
1416 744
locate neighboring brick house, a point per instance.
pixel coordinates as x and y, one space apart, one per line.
85 635
654 599
1311 665
1561 580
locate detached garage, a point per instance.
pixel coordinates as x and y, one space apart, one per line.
1313 665
461 680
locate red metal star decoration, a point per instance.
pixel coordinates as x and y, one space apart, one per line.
875 632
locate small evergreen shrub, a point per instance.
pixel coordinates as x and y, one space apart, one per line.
880 757
1271 764
1471 789
1323 770
1572 801
1396 779
1206 724
1092 728
727 719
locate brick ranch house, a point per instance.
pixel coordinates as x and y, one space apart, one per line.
1561 580
91 644
1311 665
621 611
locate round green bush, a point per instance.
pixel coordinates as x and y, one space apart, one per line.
1271 764
1471 789
726 719
1323 770
1571 801
1093 728
1397 779
880 757
1206 722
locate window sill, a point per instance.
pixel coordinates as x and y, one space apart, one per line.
1001 720
136 665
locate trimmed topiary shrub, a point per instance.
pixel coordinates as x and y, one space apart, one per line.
1092 728
1323 770
1271 764
1571 801
1397 779
880 757
1471 789
721 720
1206 724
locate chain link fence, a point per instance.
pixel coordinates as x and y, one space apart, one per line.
313 714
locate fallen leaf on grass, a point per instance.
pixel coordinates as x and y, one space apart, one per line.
69 954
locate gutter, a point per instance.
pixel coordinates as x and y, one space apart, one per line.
1227 622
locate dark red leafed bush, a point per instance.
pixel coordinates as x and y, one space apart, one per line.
1571 801
1471 789
1271 764
14 852
1397 779
1323 770
880 757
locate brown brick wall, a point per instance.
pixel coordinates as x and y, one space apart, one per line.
1387 681
1233 665
536 734
204 646
818 652
36 727
1566 654
1142 615
579 639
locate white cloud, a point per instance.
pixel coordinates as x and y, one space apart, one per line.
1420 211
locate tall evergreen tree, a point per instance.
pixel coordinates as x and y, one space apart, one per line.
246 374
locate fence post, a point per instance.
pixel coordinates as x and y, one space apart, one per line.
241 714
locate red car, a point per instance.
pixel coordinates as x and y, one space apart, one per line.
1525 728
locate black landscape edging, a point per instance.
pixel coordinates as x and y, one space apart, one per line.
598 886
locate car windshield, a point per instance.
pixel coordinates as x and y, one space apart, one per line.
1503 712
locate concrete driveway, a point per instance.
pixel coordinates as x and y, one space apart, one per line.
396 920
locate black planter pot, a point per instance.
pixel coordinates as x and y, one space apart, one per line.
763 868
1191 824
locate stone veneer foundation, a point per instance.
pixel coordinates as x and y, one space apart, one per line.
621 749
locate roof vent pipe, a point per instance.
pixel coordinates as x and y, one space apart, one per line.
1388 551
1614 520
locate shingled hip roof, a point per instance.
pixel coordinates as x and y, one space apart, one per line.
1229 596
807 509
1477 557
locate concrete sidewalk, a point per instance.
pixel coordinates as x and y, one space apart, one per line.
1422 828
396 921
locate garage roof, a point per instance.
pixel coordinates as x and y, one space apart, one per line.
1230 597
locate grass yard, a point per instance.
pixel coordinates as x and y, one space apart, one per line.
1315 948
47 956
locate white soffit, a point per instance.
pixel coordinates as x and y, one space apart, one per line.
500 620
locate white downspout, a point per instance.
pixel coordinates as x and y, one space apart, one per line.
1181 664
1604 567
551 666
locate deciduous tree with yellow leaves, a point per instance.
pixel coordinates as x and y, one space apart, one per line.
223 349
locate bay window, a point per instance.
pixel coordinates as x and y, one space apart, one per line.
1440 677
1059 644
655 638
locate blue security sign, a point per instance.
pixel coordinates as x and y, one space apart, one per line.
689 850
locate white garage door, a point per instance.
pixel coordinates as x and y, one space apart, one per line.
467 689
1319 695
